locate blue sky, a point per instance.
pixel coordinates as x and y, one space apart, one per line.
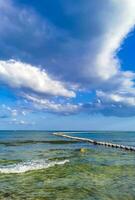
67 64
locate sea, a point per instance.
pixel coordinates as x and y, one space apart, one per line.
38 165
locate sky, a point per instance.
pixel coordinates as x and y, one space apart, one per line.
67 65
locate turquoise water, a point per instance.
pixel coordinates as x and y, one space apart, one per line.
38 165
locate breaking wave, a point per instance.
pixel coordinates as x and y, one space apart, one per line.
30 166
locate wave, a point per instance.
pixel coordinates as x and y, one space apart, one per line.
30 166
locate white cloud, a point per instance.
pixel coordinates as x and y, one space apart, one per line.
51 106
87 55
13 110
117 20
21 122
21 75
116 98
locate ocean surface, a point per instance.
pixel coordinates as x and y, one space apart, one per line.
37 165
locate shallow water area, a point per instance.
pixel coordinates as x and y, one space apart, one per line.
38 165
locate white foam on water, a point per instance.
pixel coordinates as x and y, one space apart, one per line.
30 166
